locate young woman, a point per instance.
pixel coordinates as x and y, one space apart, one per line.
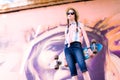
74 36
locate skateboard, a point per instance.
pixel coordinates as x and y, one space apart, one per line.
95 47
58 63
55 63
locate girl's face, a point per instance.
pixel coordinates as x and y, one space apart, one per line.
71 15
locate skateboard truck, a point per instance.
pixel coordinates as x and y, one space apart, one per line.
94 47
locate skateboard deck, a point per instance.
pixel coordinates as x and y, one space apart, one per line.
95 47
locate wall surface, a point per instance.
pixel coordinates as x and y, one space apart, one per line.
18 28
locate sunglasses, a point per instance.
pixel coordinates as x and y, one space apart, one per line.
70 13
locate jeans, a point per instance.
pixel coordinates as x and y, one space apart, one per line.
74 54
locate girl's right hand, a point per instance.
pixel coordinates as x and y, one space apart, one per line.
68 45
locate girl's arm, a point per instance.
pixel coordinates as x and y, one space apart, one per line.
85 36
86 40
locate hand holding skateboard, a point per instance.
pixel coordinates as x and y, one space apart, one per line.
95 48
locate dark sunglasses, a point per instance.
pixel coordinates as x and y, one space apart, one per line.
70 13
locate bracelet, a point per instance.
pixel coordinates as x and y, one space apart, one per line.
88 48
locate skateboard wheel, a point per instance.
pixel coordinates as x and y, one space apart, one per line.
93 41
56 57
95 51
56 67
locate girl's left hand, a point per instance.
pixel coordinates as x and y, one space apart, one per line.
91 53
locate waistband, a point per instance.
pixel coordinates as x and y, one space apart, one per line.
74 44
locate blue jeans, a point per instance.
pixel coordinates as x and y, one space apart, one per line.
74 54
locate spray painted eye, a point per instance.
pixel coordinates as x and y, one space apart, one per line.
57 46
52 47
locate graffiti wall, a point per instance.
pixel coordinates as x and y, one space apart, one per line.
30 39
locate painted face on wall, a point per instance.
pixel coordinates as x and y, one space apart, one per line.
51 43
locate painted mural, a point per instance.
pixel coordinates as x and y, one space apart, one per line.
45 48
28 47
